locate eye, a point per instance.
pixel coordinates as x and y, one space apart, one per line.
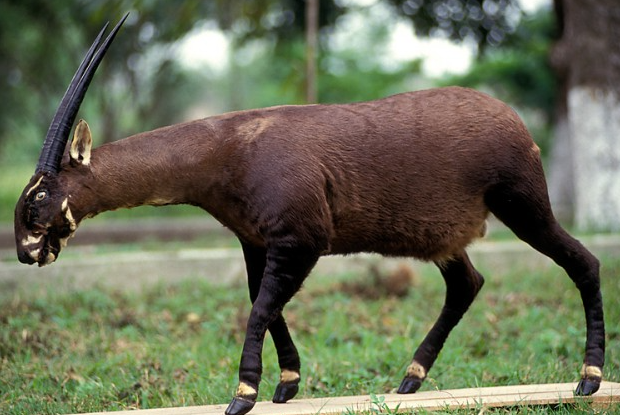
40 196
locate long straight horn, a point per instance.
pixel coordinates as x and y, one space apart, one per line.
58 132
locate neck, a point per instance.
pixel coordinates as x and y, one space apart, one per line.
167 166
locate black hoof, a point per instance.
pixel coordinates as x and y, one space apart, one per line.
587 387
410 385
285 392
239 406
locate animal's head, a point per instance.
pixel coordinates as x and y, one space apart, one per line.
43 218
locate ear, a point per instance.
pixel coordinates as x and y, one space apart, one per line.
81 144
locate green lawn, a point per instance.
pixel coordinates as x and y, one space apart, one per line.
105 350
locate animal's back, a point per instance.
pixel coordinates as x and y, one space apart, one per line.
405 175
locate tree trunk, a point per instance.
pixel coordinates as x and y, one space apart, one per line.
561 175
561 170
312 41
588 58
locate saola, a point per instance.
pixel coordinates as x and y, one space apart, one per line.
415 174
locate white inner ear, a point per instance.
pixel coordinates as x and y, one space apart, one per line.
81 144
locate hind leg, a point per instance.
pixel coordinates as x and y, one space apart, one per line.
525 209
462 285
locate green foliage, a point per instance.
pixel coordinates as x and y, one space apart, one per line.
520 69
12 182
140 86
277 76
42 44
519 72
104 350
279 20
484 22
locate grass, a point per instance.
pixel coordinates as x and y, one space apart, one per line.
105 350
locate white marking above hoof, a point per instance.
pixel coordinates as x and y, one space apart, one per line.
591 372
246 390
416 370
288 376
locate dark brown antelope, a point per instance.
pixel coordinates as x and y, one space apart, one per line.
415 175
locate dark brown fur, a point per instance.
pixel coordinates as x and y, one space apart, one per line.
415 174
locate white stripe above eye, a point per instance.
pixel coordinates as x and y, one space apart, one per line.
34 186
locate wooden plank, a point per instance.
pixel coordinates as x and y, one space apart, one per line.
546 394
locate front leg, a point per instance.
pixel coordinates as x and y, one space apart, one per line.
285 271
288 357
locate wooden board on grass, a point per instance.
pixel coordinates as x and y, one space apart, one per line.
547 394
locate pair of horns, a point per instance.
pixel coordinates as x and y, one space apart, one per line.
58 132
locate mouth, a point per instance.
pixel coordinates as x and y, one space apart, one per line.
42 256
42 248
46 256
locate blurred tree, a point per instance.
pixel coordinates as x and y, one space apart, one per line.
279 20
484 22
41 43
587 61
312 44
565 62
519 71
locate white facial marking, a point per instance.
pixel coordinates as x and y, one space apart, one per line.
245 390
34 186
288 376
31 240
69 215
34 254
50 258
416 370
483 230
63 242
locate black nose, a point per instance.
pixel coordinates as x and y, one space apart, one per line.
24 258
